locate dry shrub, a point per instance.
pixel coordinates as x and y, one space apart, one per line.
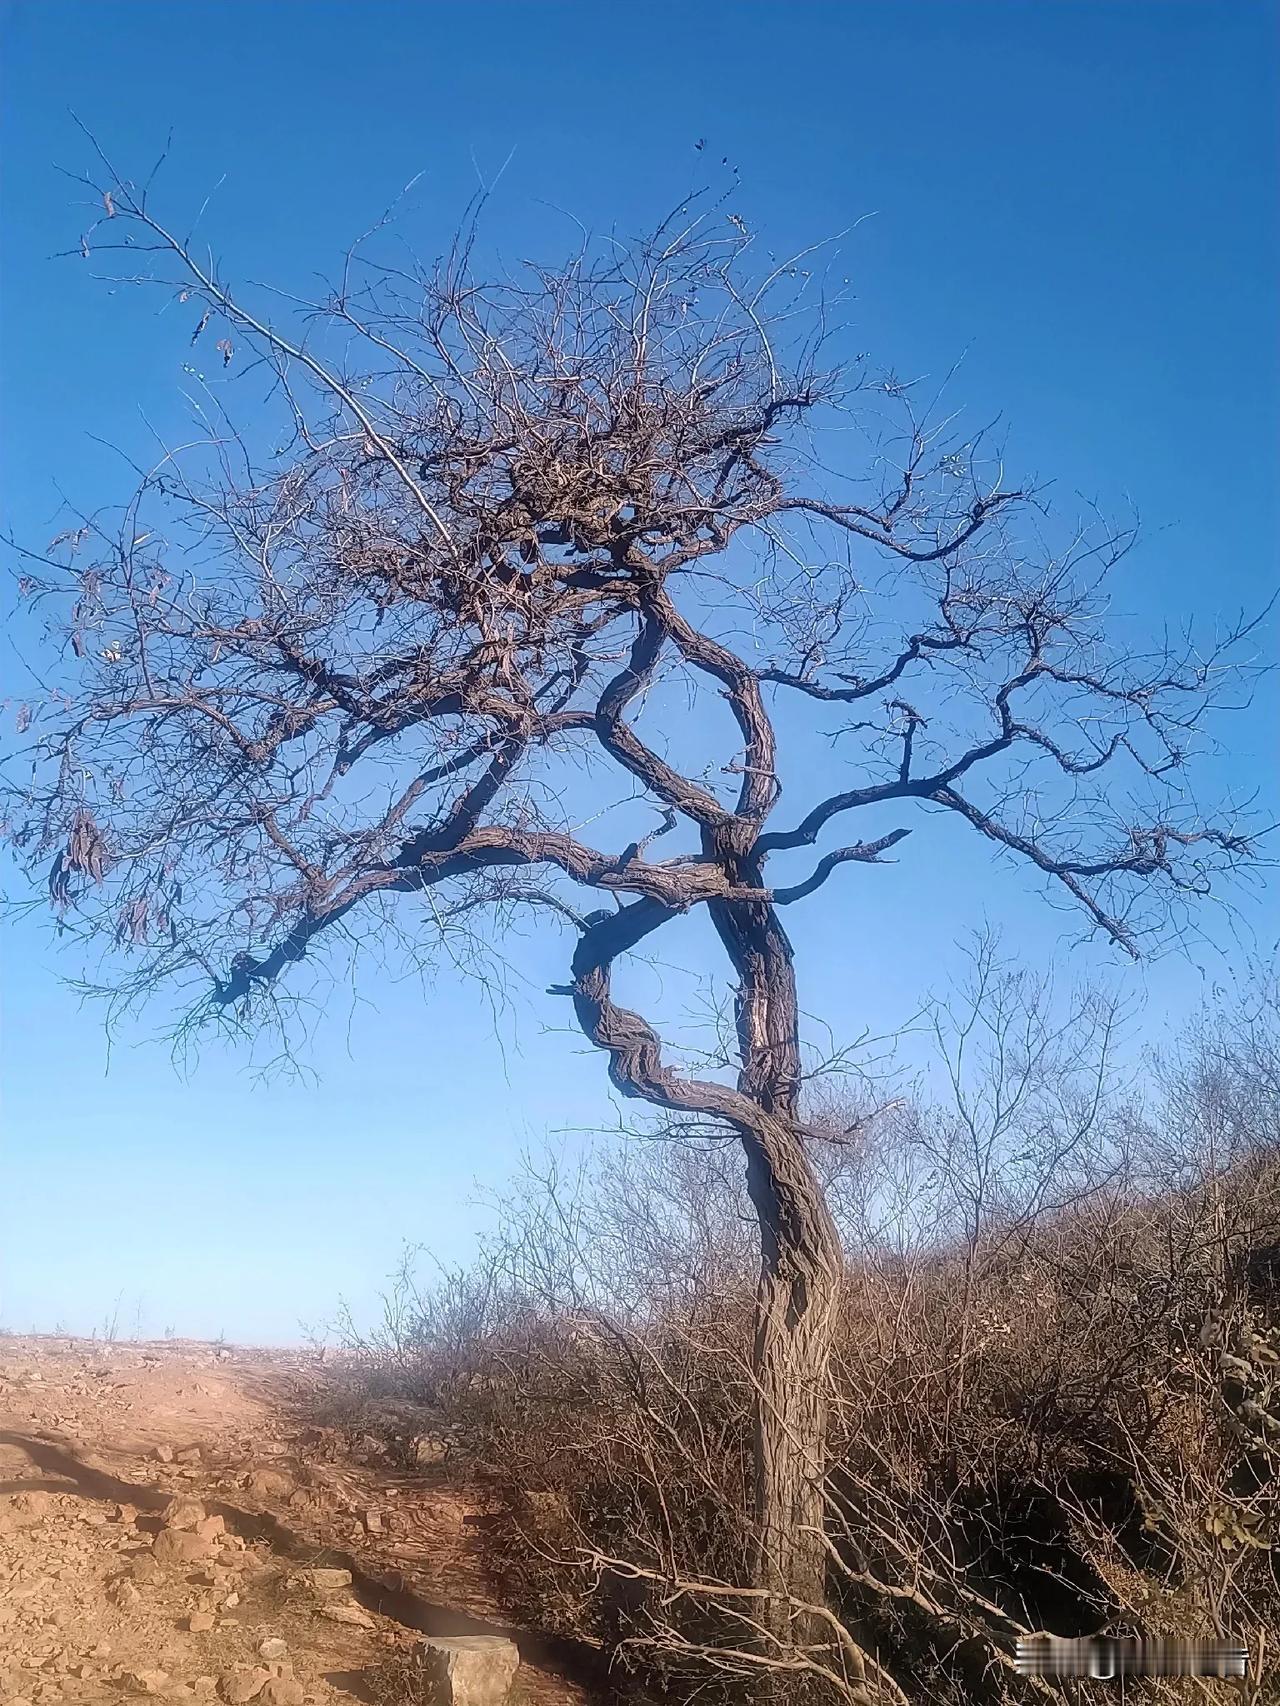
1063 1414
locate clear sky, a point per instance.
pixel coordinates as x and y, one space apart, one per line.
1080 195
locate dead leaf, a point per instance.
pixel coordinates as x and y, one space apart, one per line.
204 321
108 204
226 349
86 850
131 924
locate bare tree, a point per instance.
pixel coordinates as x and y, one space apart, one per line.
372 673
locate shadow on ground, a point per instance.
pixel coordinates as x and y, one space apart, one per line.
386 1595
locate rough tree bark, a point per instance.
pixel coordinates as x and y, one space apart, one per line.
800 1261
795 1317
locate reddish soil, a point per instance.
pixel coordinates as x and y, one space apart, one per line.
163 1508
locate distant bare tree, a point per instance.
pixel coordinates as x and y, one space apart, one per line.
396 642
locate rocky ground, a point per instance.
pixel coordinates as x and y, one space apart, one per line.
174 1524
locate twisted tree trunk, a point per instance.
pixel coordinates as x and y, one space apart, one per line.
799 1263
800 1252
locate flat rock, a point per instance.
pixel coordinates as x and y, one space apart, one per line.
327 1581
244 1683
183 1513
283 1691
345 1612
426 1450
269 1484
176 1546
146 1681
471 1670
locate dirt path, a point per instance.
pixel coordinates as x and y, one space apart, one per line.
170 1525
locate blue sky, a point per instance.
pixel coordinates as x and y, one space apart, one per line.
1080 196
